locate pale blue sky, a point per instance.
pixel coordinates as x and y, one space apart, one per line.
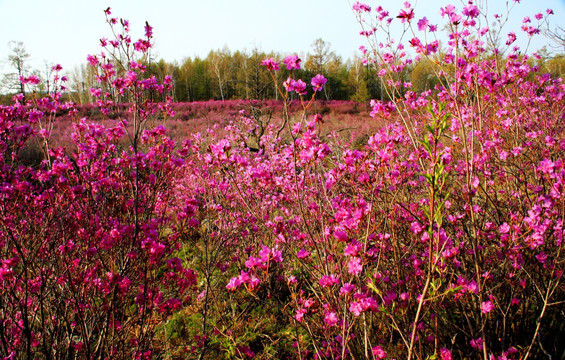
65 31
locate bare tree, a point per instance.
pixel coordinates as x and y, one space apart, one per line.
219 61
557 35
321 56
17 60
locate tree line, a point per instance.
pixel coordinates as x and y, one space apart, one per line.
224 74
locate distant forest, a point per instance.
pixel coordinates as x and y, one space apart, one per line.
224 75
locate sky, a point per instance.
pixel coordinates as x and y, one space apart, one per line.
66 31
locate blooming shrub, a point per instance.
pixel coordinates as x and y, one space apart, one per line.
440 237
88 265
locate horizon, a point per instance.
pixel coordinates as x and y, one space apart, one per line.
244 26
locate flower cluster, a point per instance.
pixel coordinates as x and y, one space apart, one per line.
438 229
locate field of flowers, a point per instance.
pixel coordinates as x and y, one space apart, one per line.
297 229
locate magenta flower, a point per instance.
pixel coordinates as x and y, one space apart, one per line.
448 10
379 352
356 308
328 280
360 7
445 354
406 15
288 84
270 64
148 30
471 11
265 254
455 18
423 24
35 115
301 254
95 92
318 82
355 266
330 318
92 60
511 38
299 316
477 343
233 284
299 86
292 62
33 80
487 307
253 262
542 257
347 288
341 235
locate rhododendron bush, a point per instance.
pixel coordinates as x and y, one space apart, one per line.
439 237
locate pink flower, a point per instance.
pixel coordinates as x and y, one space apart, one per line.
359 7
341 235
347 288
355 266
406 15
295 85
445 354
301 254
35 115
270 64
32 79
148 30
328 280
276 255
356 308
233 284
253 282
265 254
352 249
252 262
511 38
542 257
299 86
477 343
299 316
330 318
448 10
455 18
504 228
546 166
318 82
487 307
379 352
471 11
288 84
292 62
423 24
